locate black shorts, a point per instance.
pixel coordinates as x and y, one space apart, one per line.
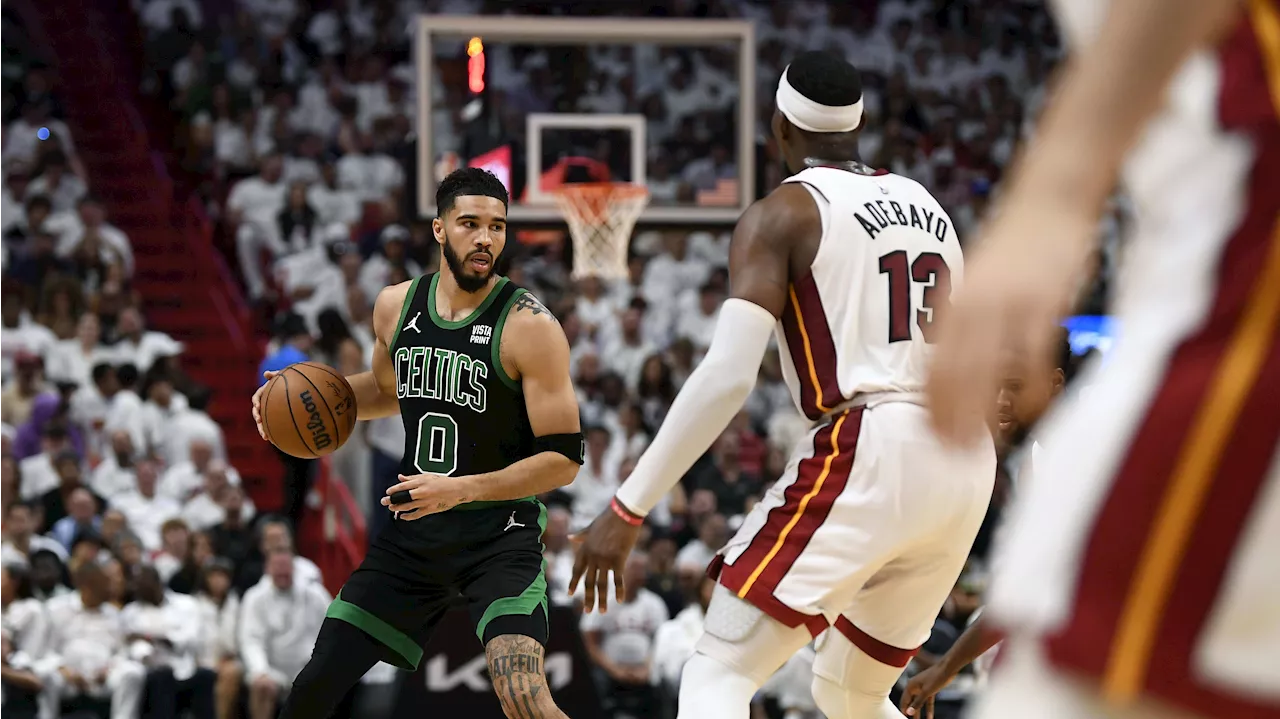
490 556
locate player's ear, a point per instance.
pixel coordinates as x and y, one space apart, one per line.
437 229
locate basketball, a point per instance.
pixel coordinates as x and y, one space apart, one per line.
308 410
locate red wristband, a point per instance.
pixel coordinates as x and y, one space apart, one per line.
625 513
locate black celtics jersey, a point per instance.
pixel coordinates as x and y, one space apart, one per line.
462 414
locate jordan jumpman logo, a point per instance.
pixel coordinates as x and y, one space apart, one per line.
511 522
414 323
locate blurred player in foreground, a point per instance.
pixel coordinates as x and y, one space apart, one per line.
1026 391
870 524
1138 574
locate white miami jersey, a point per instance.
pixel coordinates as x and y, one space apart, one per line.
862 318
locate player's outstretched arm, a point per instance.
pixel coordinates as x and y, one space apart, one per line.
534 352
760 258
759 282
976 640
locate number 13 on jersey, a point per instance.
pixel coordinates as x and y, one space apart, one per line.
928 269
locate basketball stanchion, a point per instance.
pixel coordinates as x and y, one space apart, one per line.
601 216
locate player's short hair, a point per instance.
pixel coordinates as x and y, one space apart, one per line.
469 181
825 78
1062 351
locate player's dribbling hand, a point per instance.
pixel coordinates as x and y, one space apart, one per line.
601 548
1019 284
257 403
917 697
418 495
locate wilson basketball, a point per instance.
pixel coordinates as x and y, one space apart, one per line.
308 410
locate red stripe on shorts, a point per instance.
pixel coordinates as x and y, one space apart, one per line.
1127 519
807 502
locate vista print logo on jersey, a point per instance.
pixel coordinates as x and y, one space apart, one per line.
443 375
480 334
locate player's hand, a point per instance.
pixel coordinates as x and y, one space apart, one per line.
1018 286
418 495
257 403
601 548
917 698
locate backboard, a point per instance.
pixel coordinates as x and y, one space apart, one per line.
629 139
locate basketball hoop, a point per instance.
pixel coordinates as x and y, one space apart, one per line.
601 216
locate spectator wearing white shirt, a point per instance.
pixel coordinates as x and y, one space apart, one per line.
593 488
38 472
22 338
25 621
192 424
164 405
369 172
20 538
145 508
713 532
207 508
88 637
252 207
57 182
125 411
620 642
113 477
675 640
279 620
376 271
138 345
90 218
626 353
699 324
333 204
21 141
558 555
595 308
72 360
175 549
165 629
183 480
220 615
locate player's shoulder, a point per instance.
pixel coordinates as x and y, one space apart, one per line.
525 309
785 212
390 300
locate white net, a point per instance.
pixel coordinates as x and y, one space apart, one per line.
601 216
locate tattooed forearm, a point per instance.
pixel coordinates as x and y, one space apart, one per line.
515 667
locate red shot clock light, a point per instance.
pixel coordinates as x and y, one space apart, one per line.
475 65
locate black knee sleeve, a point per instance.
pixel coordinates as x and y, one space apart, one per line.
341 657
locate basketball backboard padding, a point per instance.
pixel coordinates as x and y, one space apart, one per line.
536 122
594 31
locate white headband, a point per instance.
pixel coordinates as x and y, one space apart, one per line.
814 117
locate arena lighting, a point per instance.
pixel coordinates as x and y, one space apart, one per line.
475 65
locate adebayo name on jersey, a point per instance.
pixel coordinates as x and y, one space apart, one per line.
443 375
888 213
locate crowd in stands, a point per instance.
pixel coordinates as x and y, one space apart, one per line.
136 571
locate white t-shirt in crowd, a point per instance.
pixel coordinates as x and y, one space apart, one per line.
628 629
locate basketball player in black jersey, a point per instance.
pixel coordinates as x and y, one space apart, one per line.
478 370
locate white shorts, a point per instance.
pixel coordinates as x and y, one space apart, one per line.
867 530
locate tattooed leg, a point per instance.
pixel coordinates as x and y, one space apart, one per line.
515 666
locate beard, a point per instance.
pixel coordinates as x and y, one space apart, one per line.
467 280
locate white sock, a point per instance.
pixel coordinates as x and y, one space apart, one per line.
711 690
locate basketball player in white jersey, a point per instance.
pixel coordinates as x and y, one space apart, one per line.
1139 576
872 520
